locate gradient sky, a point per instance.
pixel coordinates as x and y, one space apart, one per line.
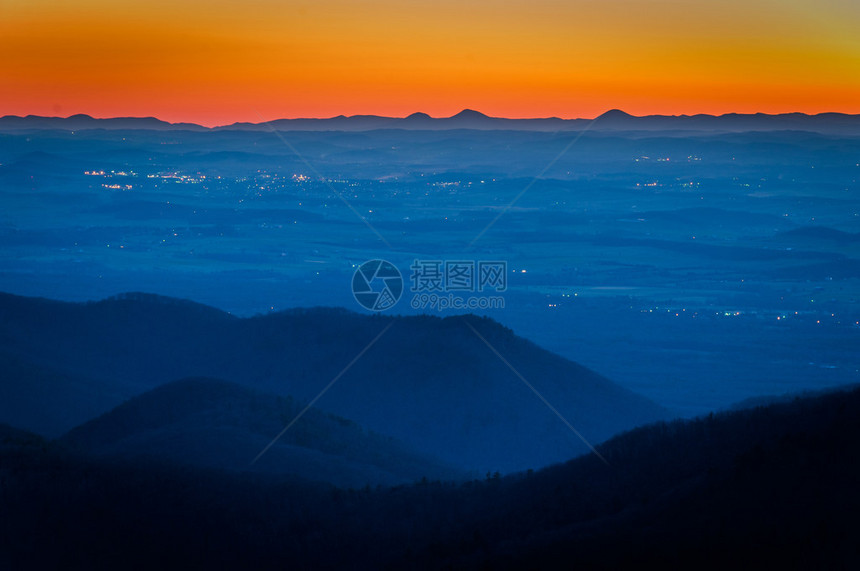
216 62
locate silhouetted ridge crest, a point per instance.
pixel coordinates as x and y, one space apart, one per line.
140 300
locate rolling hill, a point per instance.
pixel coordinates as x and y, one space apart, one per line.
432 383
215 424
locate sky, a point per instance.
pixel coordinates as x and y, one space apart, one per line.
215 62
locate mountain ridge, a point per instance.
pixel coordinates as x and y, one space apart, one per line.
612 120
493 421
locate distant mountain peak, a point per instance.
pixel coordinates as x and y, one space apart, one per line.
418 115
615 114
469 114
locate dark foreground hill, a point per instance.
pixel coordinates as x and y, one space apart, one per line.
212 423
772 487
432 383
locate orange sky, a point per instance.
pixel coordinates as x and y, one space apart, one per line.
216 62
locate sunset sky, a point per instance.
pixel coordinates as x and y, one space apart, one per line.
216 62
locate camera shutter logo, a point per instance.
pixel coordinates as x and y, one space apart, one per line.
377 285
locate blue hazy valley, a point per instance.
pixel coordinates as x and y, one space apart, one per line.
696 267
187 380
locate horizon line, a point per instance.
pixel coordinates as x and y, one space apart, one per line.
419 115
